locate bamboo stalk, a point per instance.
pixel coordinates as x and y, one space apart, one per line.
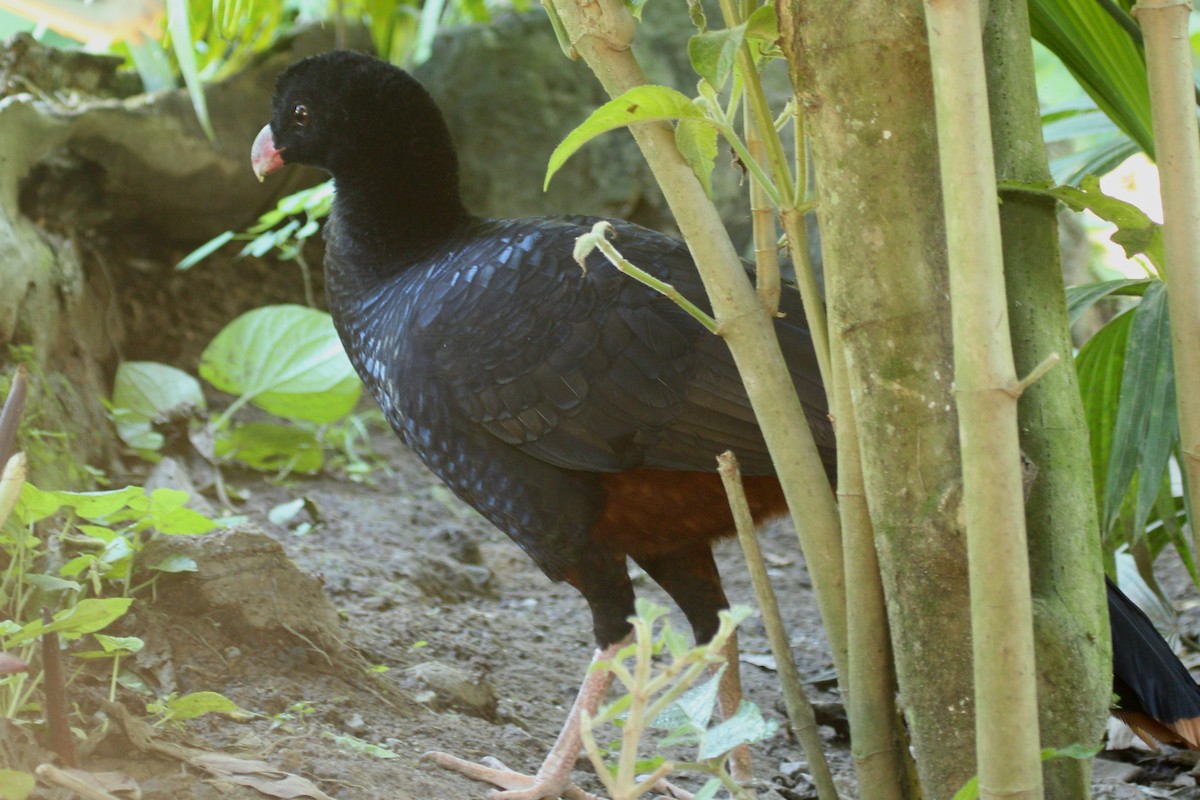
795 699
1173 111
766 253
1066 568
876 744
1006 723
601 33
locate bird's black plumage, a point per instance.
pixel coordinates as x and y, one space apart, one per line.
563 404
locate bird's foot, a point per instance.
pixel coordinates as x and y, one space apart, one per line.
514 785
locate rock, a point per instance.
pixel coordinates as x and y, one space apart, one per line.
450 581
244 578
454 688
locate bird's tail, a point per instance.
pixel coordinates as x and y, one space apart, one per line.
1156 695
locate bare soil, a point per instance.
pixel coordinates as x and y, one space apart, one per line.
482 653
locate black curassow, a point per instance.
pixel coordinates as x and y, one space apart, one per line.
579 411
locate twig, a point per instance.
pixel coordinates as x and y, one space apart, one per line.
54 686
52 774
597 239
800 711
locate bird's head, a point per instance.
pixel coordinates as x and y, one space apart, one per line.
345 110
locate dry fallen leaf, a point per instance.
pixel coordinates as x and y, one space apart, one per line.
258 775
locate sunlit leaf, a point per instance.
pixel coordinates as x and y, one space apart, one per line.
190 706
1103 58
1136 232
271 447
87 616
697 142
640 104
16 785
147 390
286 359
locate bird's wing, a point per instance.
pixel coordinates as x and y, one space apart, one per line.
593 370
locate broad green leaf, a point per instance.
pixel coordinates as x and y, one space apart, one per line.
190 706
640 104
1145 425
697 142
713 53
16 785
87 616
1081 298
1136 232
36 504
176 563
168 514
1100 365
49 583
145 390
744 727
763 24
695 706
1103 58
286 359
271 447
119 644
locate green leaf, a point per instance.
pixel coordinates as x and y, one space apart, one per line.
709 790
123 645
204 251
35 504
190 706
176 563
49 583
1136 232
697 143
1145 425
640 104
695 706
87 616
763 24
146 390
713 53
356 745
969 790
181 41
168 514
16 785
1081 298
286 359
270 447
1100 365
1103 59
744 727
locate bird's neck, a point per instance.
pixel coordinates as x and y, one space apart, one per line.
398 217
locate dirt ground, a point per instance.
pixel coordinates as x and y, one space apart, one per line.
482 653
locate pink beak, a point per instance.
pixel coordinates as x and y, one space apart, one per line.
264 158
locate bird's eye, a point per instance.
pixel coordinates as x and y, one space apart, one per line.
300 115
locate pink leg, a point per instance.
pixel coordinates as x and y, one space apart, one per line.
553 779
